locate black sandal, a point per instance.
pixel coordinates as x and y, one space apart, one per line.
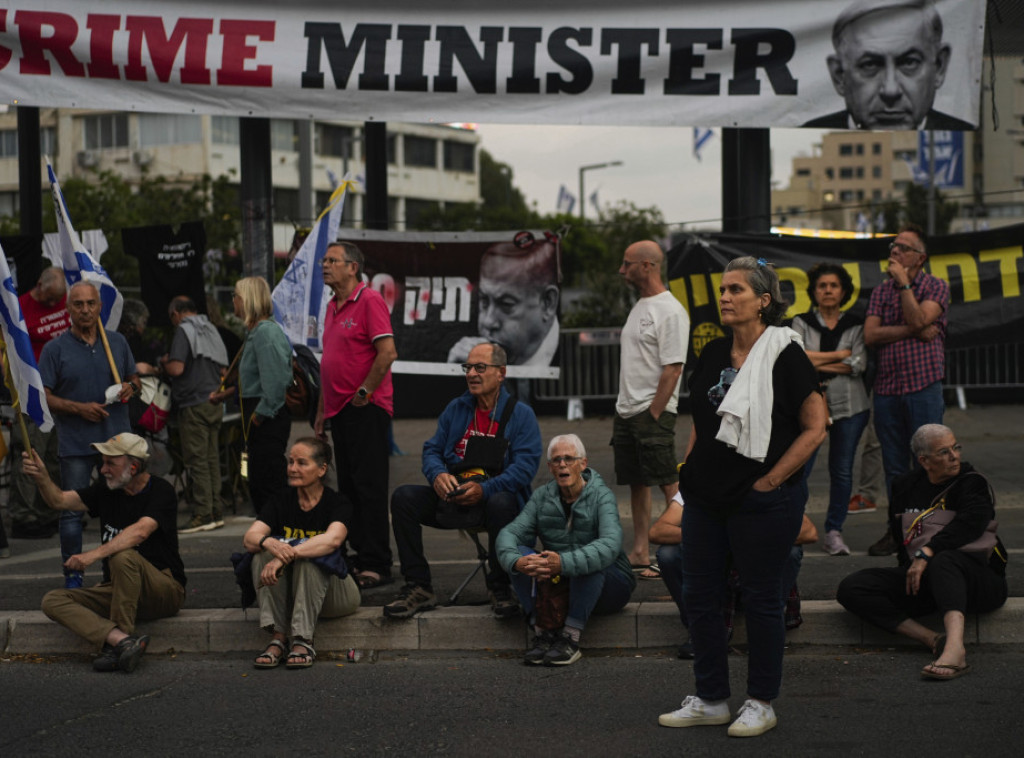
275 658
301 660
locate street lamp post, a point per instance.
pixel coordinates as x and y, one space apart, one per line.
583 170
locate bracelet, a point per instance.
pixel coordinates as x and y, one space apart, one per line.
906 286
265 538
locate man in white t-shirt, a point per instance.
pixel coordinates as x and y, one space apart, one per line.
654 342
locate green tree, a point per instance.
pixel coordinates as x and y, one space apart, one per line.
915 209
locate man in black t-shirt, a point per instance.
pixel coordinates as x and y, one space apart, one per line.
143 575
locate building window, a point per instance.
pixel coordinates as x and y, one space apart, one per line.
164 129
876 172
107 130
48 140
9 143
347 210
392 150
846 196
846 149
458 156
876 148
283 136
333 140
286 205
420 151
803 172
860 172
9 204
846 172
224 130
415 209
876 194
860 149
860 194
830 173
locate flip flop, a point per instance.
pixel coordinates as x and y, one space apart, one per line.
650 571
938 646
929 671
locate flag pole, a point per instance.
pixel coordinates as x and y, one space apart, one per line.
110 355
15 400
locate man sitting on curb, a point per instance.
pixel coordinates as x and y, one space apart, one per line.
143 576
480 464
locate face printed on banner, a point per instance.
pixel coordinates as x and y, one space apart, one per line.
888 65
517 302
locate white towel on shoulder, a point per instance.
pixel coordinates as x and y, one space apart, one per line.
746 410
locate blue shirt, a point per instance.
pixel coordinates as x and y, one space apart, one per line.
74 370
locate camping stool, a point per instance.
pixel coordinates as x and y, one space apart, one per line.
472 533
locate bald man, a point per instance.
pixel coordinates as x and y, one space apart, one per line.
518 303
654 343
889 62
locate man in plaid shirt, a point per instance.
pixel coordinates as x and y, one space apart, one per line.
906 324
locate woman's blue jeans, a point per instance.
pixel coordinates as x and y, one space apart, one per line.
755 538
605 591
843 438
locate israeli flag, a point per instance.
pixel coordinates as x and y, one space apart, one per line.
301 297
78 263
566 201
28 386
700 138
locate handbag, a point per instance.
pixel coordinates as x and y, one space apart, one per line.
156 400
920 527
552 603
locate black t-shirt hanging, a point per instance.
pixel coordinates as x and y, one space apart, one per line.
170 264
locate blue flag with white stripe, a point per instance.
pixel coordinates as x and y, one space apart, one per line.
78 263
301 297
28 385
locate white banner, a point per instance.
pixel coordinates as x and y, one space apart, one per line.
745 63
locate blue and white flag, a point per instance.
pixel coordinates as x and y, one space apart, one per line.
78 263
700 138
25 374
566 200
301 297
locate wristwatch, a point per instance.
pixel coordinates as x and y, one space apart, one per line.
922 554
363 394
906 286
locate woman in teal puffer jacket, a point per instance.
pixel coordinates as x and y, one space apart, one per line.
581 569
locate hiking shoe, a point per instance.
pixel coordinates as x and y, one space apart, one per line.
503 603
884 546
199 524
218 519
753 719
697 711
129 651
539 647
107 659
411 600
833 543
563 651
860 504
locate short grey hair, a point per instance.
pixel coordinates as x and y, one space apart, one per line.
571 439
763 279
925 436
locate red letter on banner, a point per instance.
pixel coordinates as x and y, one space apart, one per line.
33 44
5 52
101 45
232 70
163 50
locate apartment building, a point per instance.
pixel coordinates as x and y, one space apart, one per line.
429 166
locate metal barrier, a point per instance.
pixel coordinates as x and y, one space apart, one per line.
590 367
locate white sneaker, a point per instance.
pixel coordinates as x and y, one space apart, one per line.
696 711
833 543
753 719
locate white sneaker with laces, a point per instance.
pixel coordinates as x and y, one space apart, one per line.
696 711
753 719
833 543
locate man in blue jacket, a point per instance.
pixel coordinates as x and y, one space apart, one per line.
479 464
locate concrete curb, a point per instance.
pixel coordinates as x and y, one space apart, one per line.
639 625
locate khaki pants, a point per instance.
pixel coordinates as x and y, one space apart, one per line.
302 594
136 592
199 426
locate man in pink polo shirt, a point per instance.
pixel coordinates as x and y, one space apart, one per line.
357 398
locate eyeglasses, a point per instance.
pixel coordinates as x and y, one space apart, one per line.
716 394
900 248
332 261
478 367
568 460
947 452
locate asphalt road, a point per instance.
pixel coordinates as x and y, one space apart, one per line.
835 701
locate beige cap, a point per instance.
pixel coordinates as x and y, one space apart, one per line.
124 444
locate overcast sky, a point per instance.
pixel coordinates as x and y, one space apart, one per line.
658 169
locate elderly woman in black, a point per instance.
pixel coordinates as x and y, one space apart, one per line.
291 542
757 418
953 571
834 342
